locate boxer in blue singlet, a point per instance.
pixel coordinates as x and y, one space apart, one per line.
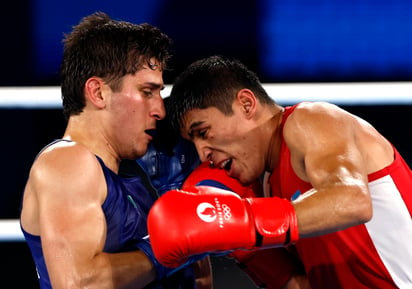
83 215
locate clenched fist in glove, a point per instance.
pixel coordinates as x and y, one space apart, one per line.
211 220
268 268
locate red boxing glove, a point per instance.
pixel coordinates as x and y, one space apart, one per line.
182 224
267 268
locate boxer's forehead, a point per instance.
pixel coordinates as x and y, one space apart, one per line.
198 119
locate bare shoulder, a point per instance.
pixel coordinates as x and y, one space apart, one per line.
62 172
320 130
318 109
317 119
67 170
64 158
317 130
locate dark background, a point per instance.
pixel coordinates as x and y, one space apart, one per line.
288 41
282 40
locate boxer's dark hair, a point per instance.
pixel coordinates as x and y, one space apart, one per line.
212 82
110 49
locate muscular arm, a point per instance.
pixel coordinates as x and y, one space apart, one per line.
72 226
333 150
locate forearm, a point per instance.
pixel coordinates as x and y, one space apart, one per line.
340 209
131 270
104 271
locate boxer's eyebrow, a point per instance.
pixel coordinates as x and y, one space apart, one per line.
154 85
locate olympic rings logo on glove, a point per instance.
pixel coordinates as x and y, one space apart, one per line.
227 213
209 213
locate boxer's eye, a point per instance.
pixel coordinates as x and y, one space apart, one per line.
202 133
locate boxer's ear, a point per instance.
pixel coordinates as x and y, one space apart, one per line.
247 100
94 91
